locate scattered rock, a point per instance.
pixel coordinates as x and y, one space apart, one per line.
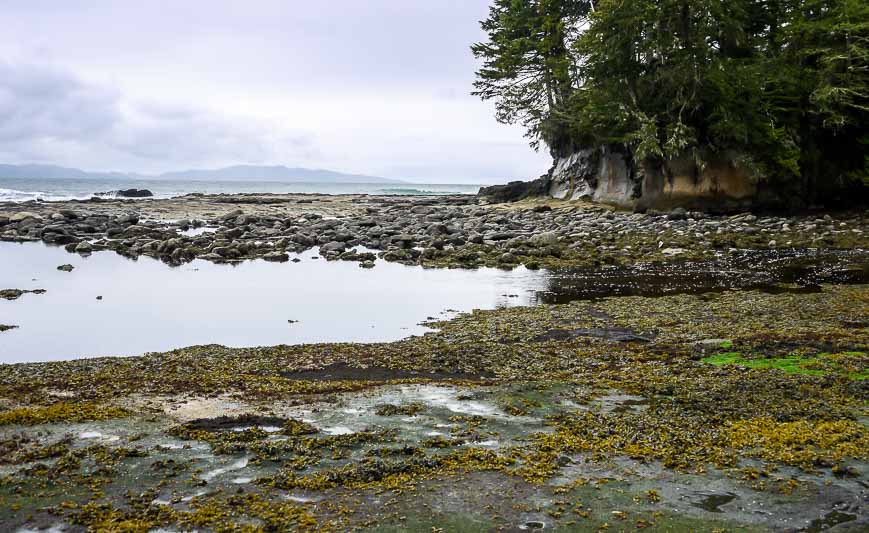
677 214
278 257
14 294
670 252
84 247
66 268
546 238
24 215
333 246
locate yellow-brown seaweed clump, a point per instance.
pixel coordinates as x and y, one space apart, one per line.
803 443
61 412
228 514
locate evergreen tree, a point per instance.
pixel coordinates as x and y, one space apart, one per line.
783 85
528 68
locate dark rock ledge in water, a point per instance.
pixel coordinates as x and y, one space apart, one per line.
127 193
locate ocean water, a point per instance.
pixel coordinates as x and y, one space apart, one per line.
23 190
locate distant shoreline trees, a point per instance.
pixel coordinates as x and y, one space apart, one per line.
780 85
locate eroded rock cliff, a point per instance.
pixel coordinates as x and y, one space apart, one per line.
611 176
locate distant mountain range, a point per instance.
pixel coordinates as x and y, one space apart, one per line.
55 172
233 173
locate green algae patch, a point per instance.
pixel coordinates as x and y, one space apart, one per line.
728 358
793 364
61 412
854 365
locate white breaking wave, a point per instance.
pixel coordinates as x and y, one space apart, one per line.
13 195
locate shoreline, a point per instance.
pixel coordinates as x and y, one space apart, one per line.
438 231
24 191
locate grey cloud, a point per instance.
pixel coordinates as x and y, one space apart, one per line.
39 103
49 114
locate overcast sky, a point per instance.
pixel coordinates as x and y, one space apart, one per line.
378 87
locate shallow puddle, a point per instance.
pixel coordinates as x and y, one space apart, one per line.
148 306
713 502
193 232
446 417
109 305
439 412
829 521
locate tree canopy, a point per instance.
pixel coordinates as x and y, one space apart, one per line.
782 85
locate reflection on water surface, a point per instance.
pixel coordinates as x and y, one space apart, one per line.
147 306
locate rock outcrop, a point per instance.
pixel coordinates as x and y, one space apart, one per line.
516 190
128 193
612 176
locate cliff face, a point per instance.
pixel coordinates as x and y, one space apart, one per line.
608 176
612 176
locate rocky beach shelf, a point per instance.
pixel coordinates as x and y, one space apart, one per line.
691 372
452 231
